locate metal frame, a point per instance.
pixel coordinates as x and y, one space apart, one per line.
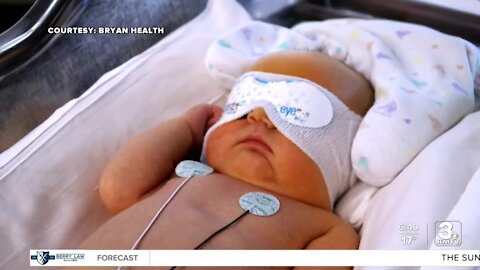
25 40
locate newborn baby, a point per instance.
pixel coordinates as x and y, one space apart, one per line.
251 149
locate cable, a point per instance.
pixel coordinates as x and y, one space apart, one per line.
157 214
220 230
140 238
217 232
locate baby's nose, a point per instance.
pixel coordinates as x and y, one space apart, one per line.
259 115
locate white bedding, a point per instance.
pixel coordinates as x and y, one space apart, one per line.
441 184
48 180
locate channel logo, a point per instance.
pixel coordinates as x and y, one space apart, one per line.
448 233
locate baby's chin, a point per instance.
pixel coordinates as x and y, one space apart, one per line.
294 180
258 176
247 165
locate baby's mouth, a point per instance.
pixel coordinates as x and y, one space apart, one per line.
257 143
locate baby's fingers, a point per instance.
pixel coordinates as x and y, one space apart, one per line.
215 113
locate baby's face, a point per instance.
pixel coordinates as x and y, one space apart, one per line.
253 150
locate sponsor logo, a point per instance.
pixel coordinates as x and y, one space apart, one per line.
42 257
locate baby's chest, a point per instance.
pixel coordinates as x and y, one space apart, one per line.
281 231
209 216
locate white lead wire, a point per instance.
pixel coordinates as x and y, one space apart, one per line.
140 238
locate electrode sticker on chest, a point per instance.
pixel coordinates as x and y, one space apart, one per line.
188 168
260 204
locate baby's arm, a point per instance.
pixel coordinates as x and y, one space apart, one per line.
340 236
150 157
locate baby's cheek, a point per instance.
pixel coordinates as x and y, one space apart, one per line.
304 181
211 152
299 167
216 146
292 157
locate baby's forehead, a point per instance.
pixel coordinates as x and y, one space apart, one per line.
345 83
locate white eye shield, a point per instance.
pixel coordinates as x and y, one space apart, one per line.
306 113
297 101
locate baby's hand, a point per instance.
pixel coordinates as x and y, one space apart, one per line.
201 117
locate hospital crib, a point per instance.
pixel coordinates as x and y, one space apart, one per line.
48 178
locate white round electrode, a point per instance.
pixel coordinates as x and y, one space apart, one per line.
259 204
189 168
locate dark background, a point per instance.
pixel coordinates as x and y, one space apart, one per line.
11 11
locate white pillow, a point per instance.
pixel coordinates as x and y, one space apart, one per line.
411 195
48 180
438 185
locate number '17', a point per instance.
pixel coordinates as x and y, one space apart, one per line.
407 240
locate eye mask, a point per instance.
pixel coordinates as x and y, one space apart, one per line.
297 101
